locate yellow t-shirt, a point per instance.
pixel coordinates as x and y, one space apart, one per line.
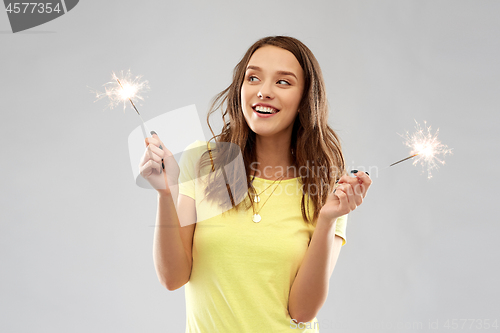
243 271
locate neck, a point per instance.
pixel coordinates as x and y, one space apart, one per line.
274 158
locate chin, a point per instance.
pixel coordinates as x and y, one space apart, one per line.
265 132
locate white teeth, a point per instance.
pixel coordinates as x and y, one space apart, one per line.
265 109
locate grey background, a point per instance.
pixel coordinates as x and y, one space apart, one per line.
76 232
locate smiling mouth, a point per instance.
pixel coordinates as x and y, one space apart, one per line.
265 110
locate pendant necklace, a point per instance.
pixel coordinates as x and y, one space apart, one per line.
256 217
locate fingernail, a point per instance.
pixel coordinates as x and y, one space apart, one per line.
367 173
354 171
153 132
337 181
160 147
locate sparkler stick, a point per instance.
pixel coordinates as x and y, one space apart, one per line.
404 159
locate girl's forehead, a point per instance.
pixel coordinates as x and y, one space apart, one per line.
274 58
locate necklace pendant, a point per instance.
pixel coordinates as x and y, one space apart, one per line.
256 199
256 218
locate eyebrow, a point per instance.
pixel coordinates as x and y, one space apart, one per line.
279 72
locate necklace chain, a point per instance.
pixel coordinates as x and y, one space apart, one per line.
256 217
256 198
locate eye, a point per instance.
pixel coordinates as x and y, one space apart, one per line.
285 82
251 78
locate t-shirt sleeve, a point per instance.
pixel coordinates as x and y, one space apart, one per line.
187 173
340 228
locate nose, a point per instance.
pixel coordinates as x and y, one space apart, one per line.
265 91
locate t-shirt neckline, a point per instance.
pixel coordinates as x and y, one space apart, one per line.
276 181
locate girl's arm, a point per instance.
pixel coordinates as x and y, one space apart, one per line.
310 287
172 243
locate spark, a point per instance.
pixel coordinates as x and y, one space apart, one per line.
425 148
123 89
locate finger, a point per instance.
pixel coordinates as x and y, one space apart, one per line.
152 154
343 179
153 133
157 151
162 147
341 185
160 143
346 179
360 190
365 181
346 188
152 140
344 201
150 167
346 176
349 190
363 177
150 143
156 166
356 194
149 156
145 157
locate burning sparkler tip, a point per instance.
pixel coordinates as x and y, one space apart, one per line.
426 147
123 88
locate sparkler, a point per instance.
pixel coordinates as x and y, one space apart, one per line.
126 89
426 147
123 89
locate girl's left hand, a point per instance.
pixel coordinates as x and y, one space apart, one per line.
348 195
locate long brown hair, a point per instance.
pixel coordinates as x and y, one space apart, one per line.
315 146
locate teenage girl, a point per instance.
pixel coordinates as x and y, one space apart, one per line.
264 265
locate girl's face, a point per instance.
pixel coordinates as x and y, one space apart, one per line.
271 91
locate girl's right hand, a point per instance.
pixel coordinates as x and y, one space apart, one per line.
151 168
